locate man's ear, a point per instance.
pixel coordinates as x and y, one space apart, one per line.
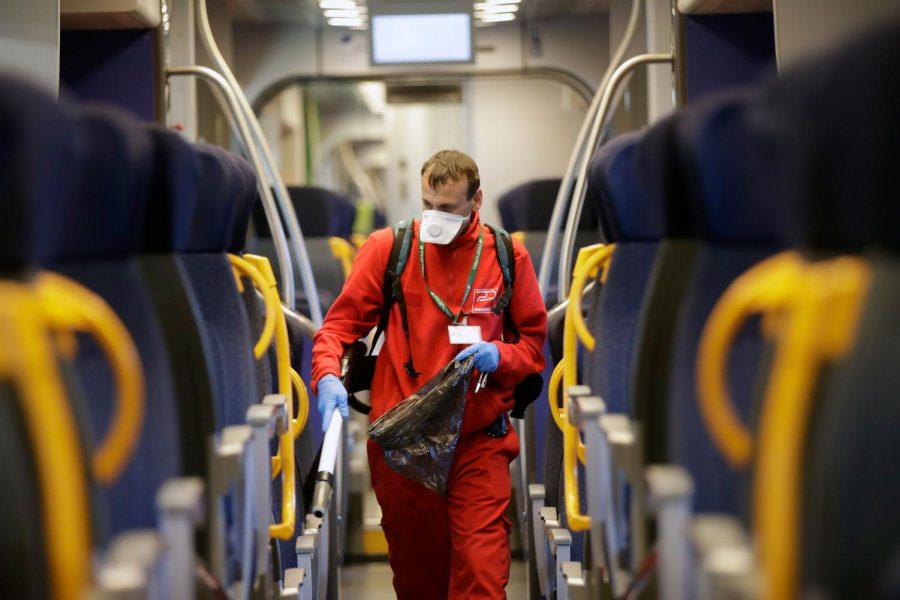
476 200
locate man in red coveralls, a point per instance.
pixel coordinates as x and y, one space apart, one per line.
453 546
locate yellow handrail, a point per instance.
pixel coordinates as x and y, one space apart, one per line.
344 252
818 307
518 235
302 404
70 307
28 361
244 269
766 288
284 529
556 412
590 259
358 239
553 395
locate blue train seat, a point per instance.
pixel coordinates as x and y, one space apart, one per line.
36 137
97 248
635 225
212 281
661 171
841 166
739 225
174 188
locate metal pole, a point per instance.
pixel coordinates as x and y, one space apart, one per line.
292 225
568 243
217 82
565 188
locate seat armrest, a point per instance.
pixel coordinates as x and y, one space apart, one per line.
727 565
671 492
132 567
180 506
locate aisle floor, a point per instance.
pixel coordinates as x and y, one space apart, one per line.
372 581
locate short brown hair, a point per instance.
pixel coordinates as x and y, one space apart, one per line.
450 166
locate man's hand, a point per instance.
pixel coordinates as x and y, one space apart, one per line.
332 395
487 356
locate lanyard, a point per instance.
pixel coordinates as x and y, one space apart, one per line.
437 299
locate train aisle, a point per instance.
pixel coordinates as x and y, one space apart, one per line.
372 581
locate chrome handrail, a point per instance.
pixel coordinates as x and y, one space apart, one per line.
568 243
226 93
565 187
296 240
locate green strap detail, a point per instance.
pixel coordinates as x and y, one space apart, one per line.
437 299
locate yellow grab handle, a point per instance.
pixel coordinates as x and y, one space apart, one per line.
70 307
27 360
284 529
825 308
518 235
553 395
244 268
590 259
556 412
358 239
344 252
299 423
766 288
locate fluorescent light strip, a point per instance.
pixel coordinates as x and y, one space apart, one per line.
340 4
341 13
497 17
495 9
500 2
345 22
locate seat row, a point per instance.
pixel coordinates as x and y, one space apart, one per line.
146 367
731 384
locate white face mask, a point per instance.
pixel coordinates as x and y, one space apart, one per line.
440 227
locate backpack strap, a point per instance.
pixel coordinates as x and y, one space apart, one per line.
392 290
506 257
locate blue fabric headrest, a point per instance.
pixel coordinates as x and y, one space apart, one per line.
342 224
104 218
173 195
626 210
665 178
41 147
212 225
738 198
839 123
321 213
527 207
248 196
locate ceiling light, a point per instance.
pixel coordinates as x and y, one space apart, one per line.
501 1
341 12
497 18
337 4
345 22
494 9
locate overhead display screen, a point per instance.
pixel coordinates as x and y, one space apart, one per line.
422 38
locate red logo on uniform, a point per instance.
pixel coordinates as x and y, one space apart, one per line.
483 300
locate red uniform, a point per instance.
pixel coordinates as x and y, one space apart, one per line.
456 545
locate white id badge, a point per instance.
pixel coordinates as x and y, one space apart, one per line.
464 334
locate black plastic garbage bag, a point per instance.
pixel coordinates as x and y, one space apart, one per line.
419 435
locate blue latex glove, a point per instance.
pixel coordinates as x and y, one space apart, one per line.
487 356
332 395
